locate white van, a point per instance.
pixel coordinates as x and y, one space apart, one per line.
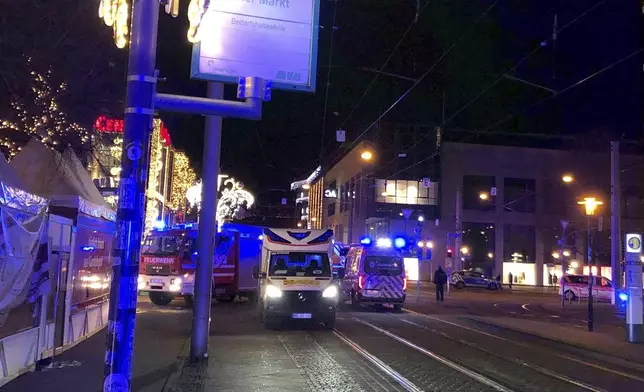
295 278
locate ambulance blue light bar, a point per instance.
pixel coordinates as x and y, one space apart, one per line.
365 241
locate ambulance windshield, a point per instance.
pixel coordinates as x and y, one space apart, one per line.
300 264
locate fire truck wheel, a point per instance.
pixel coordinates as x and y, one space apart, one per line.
188 300
226 298
161 299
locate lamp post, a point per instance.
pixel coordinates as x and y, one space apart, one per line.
590 205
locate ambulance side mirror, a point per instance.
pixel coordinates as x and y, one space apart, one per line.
257 274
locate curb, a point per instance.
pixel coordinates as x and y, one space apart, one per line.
183 356
560 341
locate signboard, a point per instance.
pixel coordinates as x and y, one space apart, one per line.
274 40
633 275
340 136
493 191
331 193
426 182
633 243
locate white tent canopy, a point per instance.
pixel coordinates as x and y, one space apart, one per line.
59 177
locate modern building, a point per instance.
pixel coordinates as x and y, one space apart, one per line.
513 200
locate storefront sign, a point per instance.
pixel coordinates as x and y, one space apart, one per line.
274 40
331 193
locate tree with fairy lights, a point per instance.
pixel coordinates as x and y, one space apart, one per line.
37 114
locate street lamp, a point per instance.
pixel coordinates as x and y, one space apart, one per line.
567 178
484 196
490 255
566 253
590 206
465 250
366 155
306 187
555 255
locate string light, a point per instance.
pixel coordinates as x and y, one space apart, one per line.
196 11
43 120
116 14
154 171
183 177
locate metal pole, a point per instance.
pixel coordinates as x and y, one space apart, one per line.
207 232
615 226
590 280
564 263
459 229
139 112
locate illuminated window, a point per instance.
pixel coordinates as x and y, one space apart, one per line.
406 192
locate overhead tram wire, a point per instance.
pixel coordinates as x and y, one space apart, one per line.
509 70
386 62
430 69
328 79
576 84
486 89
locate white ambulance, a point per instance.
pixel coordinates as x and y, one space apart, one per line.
295 278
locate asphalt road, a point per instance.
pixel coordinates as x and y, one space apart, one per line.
372 349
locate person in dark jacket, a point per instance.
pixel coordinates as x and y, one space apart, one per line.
440 280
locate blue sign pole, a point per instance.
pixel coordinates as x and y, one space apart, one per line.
141 83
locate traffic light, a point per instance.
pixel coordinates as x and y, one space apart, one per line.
450 253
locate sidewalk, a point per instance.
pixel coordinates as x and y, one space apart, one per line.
605 339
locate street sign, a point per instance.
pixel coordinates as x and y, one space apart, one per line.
634 286
283 201
340 136
407 213
275 40
564 224
426 182
493 191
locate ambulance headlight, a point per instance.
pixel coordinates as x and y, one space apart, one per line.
273 292
330 292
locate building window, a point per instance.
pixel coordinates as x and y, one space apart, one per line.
478 193
331 209
406 192
519 195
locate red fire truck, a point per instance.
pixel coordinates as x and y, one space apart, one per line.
168 261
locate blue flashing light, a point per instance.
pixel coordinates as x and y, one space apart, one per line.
400 242
261 237
384 243
623 296
195 254
365 241
159 225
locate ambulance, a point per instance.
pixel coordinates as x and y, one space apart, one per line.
295 277
375 273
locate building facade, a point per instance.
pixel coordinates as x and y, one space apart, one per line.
512 203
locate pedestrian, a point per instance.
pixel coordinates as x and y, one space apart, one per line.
498 282
510 279
440 280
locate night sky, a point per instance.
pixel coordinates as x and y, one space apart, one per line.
287 144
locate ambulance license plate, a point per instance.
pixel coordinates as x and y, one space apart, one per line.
372 293
156 281
301 315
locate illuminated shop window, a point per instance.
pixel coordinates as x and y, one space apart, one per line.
406 192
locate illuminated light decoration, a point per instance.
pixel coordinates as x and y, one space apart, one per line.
196 11
172 8
234 201
39 116
159 225
183 178
116 14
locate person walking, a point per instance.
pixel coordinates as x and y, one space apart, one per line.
510 279
440 280
499 284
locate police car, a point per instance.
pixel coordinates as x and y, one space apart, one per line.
471 278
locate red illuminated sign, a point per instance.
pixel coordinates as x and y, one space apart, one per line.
105 124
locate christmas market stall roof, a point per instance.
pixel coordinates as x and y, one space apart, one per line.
61 178
13 194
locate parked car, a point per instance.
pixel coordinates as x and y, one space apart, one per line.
468 278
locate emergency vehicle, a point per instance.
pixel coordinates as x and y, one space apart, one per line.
576 286
375 273
295 277
168 263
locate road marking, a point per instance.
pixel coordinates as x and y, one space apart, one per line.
532 366
470 373
628 375
408 385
